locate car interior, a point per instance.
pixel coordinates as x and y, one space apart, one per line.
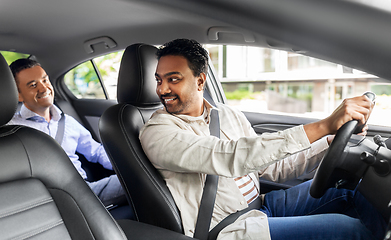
42 194
44 197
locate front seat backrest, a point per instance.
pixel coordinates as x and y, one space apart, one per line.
119 128
42 196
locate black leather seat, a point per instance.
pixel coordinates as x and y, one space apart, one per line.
119 130
42 196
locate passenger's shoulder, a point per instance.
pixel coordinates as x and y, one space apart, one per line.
69 120
16 119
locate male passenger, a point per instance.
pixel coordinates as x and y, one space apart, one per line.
39 112
177 141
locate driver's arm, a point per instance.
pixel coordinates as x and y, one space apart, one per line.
297 164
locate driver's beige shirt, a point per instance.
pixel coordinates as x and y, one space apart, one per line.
181 148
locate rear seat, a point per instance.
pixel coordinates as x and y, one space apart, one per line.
94 171
67 108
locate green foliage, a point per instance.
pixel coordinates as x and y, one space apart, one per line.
105 63
83 80
302 96
381 89
239 94
12 56
307 97
87 73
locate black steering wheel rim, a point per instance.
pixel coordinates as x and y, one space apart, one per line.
322 179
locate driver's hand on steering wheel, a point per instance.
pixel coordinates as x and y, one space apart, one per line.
362 133
357 108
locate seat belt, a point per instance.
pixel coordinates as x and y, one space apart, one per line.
255 205
209 194
60 129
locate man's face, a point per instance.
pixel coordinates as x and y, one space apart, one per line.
179 90
35 89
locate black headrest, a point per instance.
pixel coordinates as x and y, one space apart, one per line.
136 78
9 93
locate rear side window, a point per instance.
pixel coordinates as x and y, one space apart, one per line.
83 82
95 79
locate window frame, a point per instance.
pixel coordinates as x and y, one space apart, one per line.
96 69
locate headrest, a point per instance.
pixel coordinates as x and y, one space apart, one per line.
136 78
9 95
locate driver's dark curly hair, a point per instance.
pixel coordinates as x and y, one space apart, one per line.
196 55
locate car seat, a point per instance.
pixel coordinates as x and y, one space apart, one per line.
42 196
119 128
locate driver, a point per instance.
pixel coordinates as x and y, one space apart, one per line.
177 141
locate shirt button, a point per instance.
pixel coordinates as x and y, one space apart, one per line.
241 202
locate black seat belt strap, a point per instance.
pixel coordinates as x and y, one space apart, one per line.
60 129
214 125
256 204
209 194
206 207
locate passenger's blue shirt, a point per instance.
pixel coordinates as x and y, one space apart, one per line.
76 137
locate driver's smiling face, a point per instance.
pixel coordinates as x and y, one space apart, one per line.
178 89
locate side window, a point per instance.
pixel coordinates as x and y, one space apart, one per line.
83 81
108 66
286 83
95 79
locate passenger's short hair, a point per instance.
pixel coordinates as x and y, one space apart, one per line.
196 55
21 64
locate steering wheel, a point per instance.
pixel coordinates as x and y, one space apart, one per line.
323 177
